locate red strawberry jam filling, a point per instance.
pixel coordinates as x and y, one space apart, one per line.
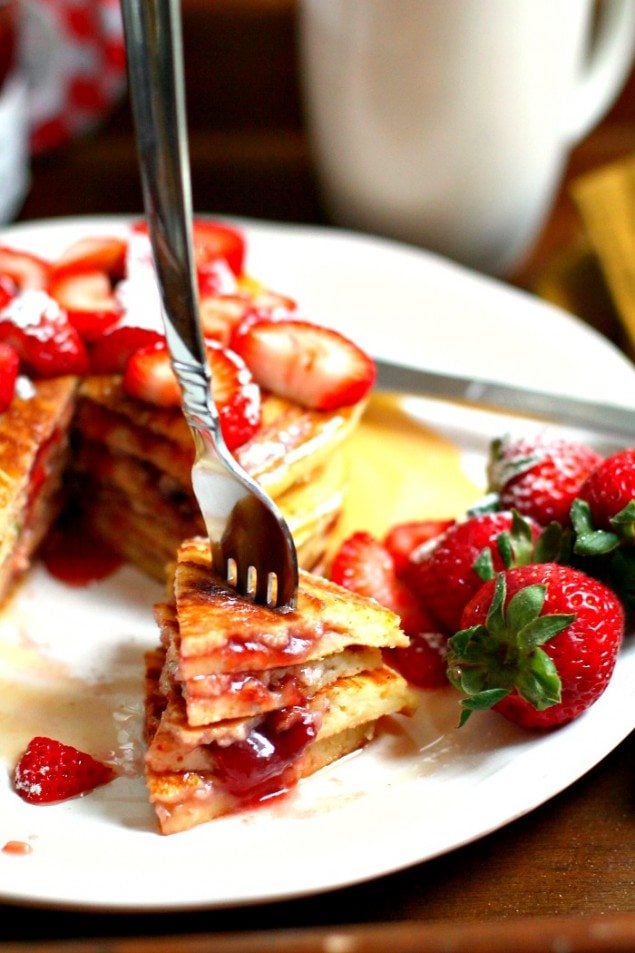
262 764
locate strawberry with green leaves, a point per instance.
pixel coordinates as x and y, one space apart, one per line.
603 517
538 476
538 644
609 491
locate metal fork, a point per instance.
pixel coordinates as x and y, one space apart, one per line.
251 544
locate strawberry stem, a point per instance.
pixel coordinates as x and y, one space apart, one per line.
488 661
590 541
514 547
624 523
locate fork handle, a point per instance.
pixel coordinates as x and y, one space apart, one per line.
155 74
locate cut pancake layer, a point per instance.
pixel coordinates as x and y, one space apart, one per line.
34 448
220 695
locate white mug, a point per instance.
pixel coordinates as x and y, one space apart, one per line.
14 160
448 123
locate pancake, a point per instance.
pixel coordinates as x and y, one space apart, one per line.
222 632
137 459
145 514
34 450
223 695
185 767
242 701
291 443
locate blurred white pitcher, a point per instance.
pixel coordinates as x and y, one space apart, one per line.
447 123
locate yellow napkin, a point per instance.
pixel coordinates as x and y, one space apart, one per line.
605 199
573 280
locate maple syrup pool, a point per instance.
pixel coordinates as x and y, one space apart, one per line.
78 676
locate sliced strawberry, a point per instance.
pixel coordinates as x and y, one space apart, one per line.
9 366
213 241
216 278
423 662
364 565
222 315
88 300
24 269
50 771
308 363
110 352
149 376
97 253
8 291
273 304
403 539
236 394
47 343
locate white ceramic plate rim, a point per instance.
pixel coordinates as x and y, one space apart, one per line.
378 811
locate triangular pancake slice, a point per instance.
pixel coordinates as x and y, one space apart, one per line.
222 632
243 700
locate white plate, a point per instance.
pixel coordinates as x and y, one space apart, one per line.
77 653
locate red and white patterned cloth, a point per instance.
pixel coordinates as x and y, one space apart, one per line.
74 57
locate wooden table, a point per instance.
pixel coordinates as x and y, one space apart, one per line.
561 878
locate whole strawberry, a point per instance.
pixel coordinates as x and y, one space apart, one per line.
538 644
50 771
364 565
609 491
603 518
539 477
447 576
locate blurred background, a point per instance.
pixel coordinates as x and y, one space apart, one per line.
249 150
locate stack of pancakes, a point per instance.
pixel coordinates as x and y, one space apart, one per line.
34 442
244 700
136 460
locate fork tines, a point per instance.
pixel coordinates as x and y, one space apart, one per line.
256 554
